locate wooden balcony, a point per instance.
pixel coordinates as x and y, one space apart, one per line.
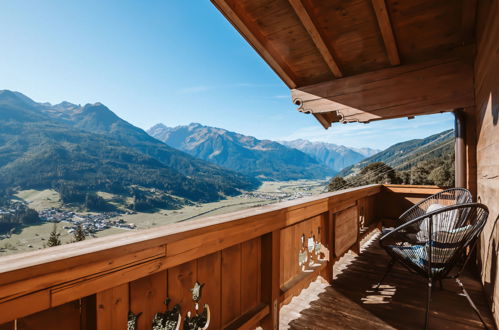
248 264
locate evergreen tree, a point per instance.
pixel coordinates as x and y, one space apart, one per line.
55 237
79 233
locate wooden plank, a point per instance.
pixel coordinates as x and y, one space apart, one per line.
306 212
209 275
81 272
66 316
250 274
346 230
386 31
327 240
112 308
254 38
314 33
211 240
147 296
181 280
231 284
24 305
251 319
61 294
423 190
270 278
448 84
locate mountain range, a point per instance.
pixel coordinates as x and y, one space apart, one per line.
404 155
44 145
264 159
334 156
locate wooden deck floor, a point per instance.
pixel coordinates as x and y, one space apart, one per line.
351 302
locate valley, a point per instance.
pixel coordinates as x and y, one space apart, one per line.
35 237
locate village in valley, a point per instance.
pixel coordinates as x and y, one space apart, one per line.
66 220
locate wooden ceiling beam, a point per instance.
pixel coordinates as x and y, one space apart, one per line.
422 88
386 29
255 39
468 20
314 33
321 119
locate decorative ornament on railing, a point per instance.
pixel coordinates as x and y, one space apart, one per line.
201 320
313 259
313 253
321 251
302 254
132 320
169 320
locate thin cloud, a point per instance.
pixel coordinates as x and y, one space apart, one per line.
194 89
282 97
252 85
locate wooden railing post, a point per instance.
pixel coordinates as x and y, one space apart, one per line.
270 278
327 238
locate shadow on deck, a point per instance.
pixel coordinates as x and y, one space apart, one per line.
351 302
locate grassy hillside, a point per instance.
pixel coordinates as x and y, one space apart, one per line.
405 155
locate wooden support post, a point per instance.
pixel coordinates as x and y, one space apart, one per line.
460 148
327 226
270 278
112 308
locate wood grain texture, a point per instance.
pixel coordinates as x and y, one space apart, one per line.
209 274
350 29
24 305
315 34
351 303
147 296
270 275
487 137
181 280
250 274
112 308
231 284
66 316
346 230
386 31
407 90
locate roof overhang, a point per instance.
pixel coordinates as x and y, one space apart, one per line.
364 60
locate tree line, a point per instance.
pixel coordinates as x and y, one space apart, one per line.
436 171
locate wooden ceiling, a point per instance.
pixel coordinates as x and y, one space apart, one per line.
326 49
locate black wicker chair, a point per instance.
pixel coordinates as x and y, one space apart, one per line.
437 250
447 197
452 196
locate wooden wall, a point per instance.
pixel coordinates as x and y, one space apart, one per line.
487 148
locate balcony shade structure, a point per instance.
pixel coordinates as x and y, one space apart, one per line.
364 60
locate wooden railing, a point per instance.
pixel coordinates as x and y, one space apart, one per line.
248 263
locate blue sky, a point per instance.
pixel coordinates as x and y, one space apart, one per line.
174 62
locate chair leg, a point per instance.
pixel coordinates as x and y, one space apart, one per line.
388 269
472 304
428 301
